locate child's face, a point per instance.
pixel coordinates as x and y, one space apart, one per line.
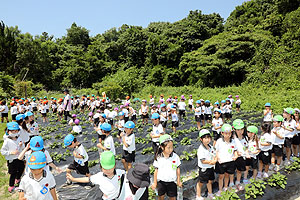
168 148
144 103
217 114
31 118
102 119
108 172
163 108
206 139
286 115
155 121
197 104
72 145
121 116
128 130
267 107
239 132
36 172
276 124
250 135
227 135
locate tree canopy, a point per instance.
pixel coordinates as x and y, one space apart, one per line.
258 44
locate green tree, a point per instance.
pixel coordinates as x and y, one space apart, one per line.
77 35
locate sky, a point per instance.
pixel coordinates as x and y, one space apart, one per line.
55 16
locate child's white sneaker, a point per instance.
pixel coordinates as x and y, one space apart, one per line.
259 175
266 175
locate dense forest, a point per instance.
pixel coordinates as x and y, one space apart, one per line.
258 44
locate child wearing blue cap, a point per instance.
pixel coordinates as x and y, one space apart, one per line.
11 148
268 113
108 142
37 144
81 157
39 183
32 126
198 112
128 140
156 132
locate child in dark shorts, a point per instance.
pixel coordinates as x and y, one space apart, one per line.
80 163
206 162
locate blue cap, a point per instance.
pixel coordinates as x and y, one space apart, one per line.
28 114
20 116
216 103
129 124
227 99
163 105
223 101
121 113
36 143
172 106
105 127
218 110
11 126
268 104
155 116
37 160
68 140
103 115
198 101
207 101
45 97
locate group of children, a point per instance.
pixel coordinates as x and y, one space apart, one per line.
229 151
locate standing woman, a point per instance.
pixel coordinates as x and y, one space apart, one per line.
67 104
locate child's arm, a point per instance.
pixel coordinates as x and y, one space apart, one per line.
278 135
265 143
288 129
55 167
78 180
99 145
21 196
22 154
154 185
235 155
179 183
53 193
77 155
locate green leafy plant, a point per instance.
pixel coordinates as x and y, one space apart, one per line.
186 141
277 180
254 189
228 195
147 150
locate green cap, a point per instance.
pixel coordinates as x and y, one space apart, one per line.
226 128
289 111
204 132
107 160
165 138
252 129
238 124
278 118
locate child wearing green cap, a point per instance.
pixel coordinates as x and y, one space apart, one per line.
167 171
253 150
109 179
226 151
80 163
277 134
206 163
39 183
289 126
242 149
